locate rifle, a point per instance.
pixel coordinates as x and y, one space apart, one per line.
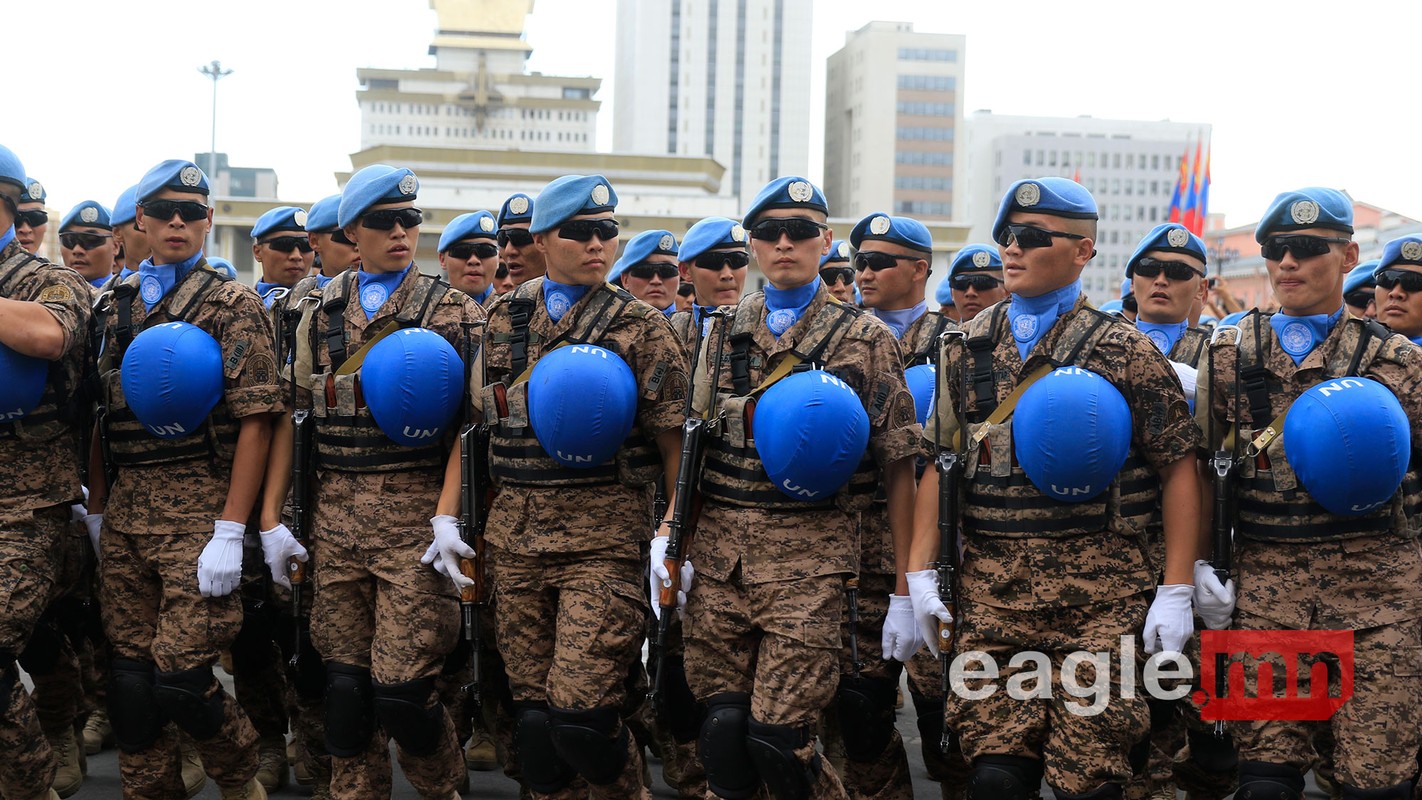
949 463
302 451
851 592
474 490
1222 466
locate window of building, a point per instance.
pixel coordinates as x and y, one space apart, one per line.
927 54
928 83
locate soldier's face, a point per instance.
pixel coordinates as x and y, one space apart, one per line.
1312 285
715 287
523 261
973 299
573 262
654 290
1034 271
134 244
283 269
1162 300
470 275
335 256
91 262
788 263
30 238
385 250
895 287
173 240
1398 308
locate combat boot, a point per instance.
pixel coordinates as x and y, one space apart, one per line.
98 733
480 755
69 757
271 764
251 790
193 774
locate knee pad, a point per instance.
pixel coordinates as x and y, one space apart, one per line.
1213 754
1138 757
930 721
1402 791
350 710
182 696
1005 778
310 673
1162 713
544 770
772 750
730 773
133 710
1260 780
405 712
866 716
8 674
41 653
593 742
1106 791
680 711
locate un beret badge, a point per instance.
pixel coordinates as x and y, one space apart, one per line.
1177 237
1029 194
189 176
89 214
299 217
486 224
799 191
1412 251
981 259
518 205
36 190
407 185
667 243
1304 212
879 225
738 234
843 250
599 194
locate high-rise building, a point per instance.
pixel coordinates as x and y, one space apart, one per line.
893 119
724 78
1129 166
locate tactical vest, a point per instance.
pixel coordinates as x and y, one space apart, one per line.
347 437
59 407
130 444
734 474
923 344
1190 346
1271 502
1000 499
516 457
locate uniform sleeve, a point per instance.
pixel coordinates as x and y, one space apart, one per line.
894 432
1164 431
660 366
1399 368
65 295
249 356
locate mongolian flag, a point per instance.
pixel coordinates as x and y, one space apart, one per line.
1191 217
1202 202
1176 204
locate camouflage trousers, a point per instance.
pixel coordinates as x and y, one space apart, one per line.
678 717
1080 750
52 655
153 612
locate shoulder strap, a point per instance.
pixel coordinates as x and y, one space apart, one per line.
741 334
600 312
424 298
813 350
522 303
333 302
17 269
1005 409
1372 329
980 371
1253 376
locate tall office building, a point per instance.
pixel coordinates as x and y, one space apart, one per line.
724 78
893 119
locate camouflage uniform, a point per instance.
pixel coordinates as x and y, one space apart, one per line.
1300 567
565 544
1057 577
41 480
159 518
764 616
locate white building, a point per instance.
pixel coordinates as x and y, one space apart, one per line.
714 77
893 122
1129 166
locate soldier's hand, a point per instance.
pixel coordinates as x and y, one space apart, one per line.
220 565
1214 602
1168 624
93 523
901 637
278 548
659 578
447 549
928 608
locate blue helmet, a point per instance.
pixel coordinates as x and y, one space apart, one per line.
413 382
11 170
582 401
1072 432
921 379
1234 318
23 383
1112 307
1349 442
222 265
172 378
810 432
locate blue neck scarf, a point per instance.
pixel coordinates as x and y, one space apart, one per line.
702 314
7 238
669 310
784 306
376 289
559 297
484 295
265 290
158 279
1164 334
1299 335
99 282
1415 339
901 319
124 273
1032 317
322 280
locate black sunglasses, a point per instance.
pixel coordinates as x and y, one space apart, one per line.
582 230
1029 237
88 241
1150 268
770 230
286 244
831 274
189 210
502 271
1409 280
877 261
733 259
1301 245
465 250
339 236
980 282
1360 297
33 218
518 237
385 218
645 272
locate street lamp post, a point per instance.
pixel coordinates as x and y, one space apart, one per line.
216 73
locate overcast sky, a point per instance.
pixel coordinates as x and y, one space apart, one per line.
1299 93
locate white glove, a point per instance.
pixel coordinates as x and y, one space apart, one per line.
446 550
220 565
658 578
901 638
278 547
1168 623
94 523
1188 376
77 512
928 608
1213 602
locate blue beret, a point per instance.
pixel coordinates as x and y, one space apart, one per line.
709 234
1059 197
475 225
1402 250
322 216
896 230
223 265
944 293
570 196
642 247
33 191
975 258
839 253
281 218
125 207
1313 207
1170 237
1363 276
1233 318
176 174
86 213
1126 288
12 171
788 192
518 208
373 185
1112 307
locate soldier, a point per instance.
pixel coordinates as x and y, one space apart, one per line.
685 296
168 626
280 244
648 269
563 540
975 278
1358 289
1399 287
469 256
131 243
1128 300
837 272
1061 576
503 282
334 252
523 261
86 242
32 220
1308 554
944 295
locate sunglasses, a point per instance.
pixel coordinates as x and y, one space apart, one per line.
286 244
1028 237
1300 244
33 218
88 241
583 230
518 237
981 283
645 272
831 274
385 218
502 272
1150 268
877 261
1409 280
466 250
189 210
339 237
715 261
1361 297
770 230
